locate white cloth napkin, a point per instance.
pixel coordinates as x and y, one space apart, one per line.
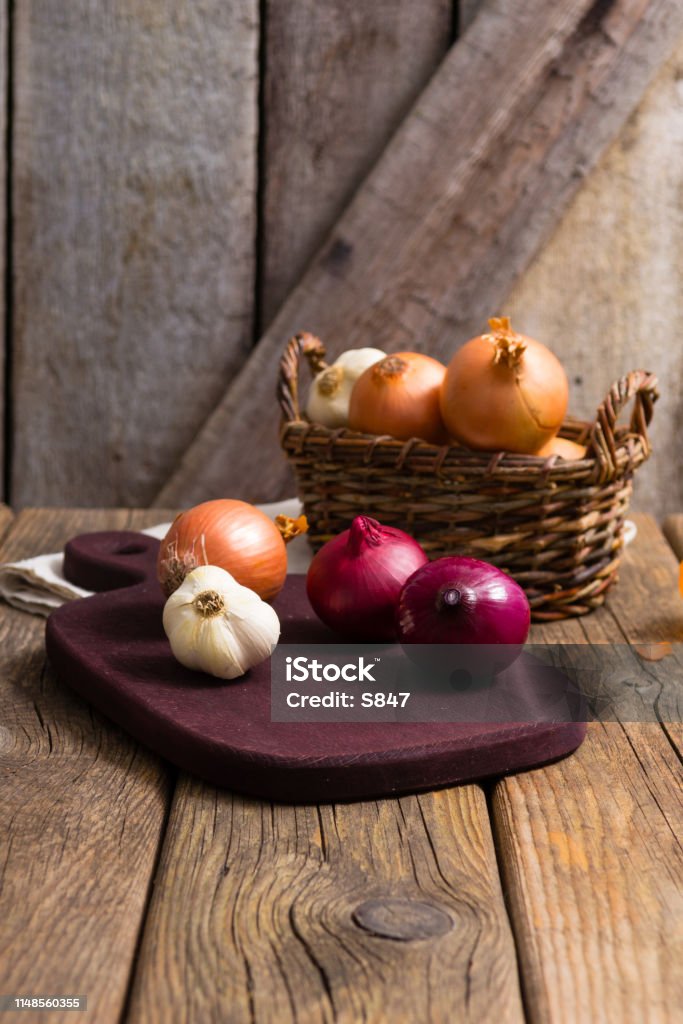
37 585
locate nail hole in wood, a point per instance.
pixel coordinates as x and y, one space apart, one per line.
338 254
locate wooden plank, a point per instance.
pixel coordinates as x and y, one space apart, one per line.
338 79
602 288
83 810
6 517
592 869
672 528
646 608
4 185
375 911
467 12
646 603
134 166
590 847
462 198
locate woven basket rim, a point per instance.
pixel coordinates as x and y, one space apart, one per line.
302 438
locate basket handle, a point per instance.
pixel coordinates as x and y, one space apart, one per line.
638 384
303 344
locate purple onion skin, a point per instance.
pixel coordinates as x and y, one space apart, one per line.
355 580
462 601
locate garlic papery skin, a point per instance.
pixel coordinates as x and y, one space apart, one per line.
328 399
216 625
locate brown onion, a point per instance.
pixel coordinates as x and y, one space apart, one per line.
233 535
399 396
504 392
564 447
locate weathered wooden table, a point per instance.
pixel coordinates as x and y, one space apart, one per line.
554 895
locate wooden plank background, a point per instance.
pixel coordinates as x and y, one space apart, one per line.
4 227
134 204
460 202
173 169
135 155
338 79
604 287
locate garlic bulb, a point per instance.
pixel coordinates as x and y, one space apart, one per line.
328 399
216 625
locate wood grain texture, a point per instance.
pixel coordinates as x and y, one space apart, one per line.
374 911
4 80
602 291
467 12
672 528
461 200
339 76
6 517
646 608
646 603
590 847
83 809
592 866
134 166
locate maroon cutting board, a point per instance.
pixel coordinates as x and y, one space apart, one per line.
111 648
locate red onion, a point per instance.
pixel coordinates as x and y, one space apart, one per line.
355 580
454 601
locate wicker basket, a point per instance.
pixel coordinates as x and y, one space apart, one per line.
554 525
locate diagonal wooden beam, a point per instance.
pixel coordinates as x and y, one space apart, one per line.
469 188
